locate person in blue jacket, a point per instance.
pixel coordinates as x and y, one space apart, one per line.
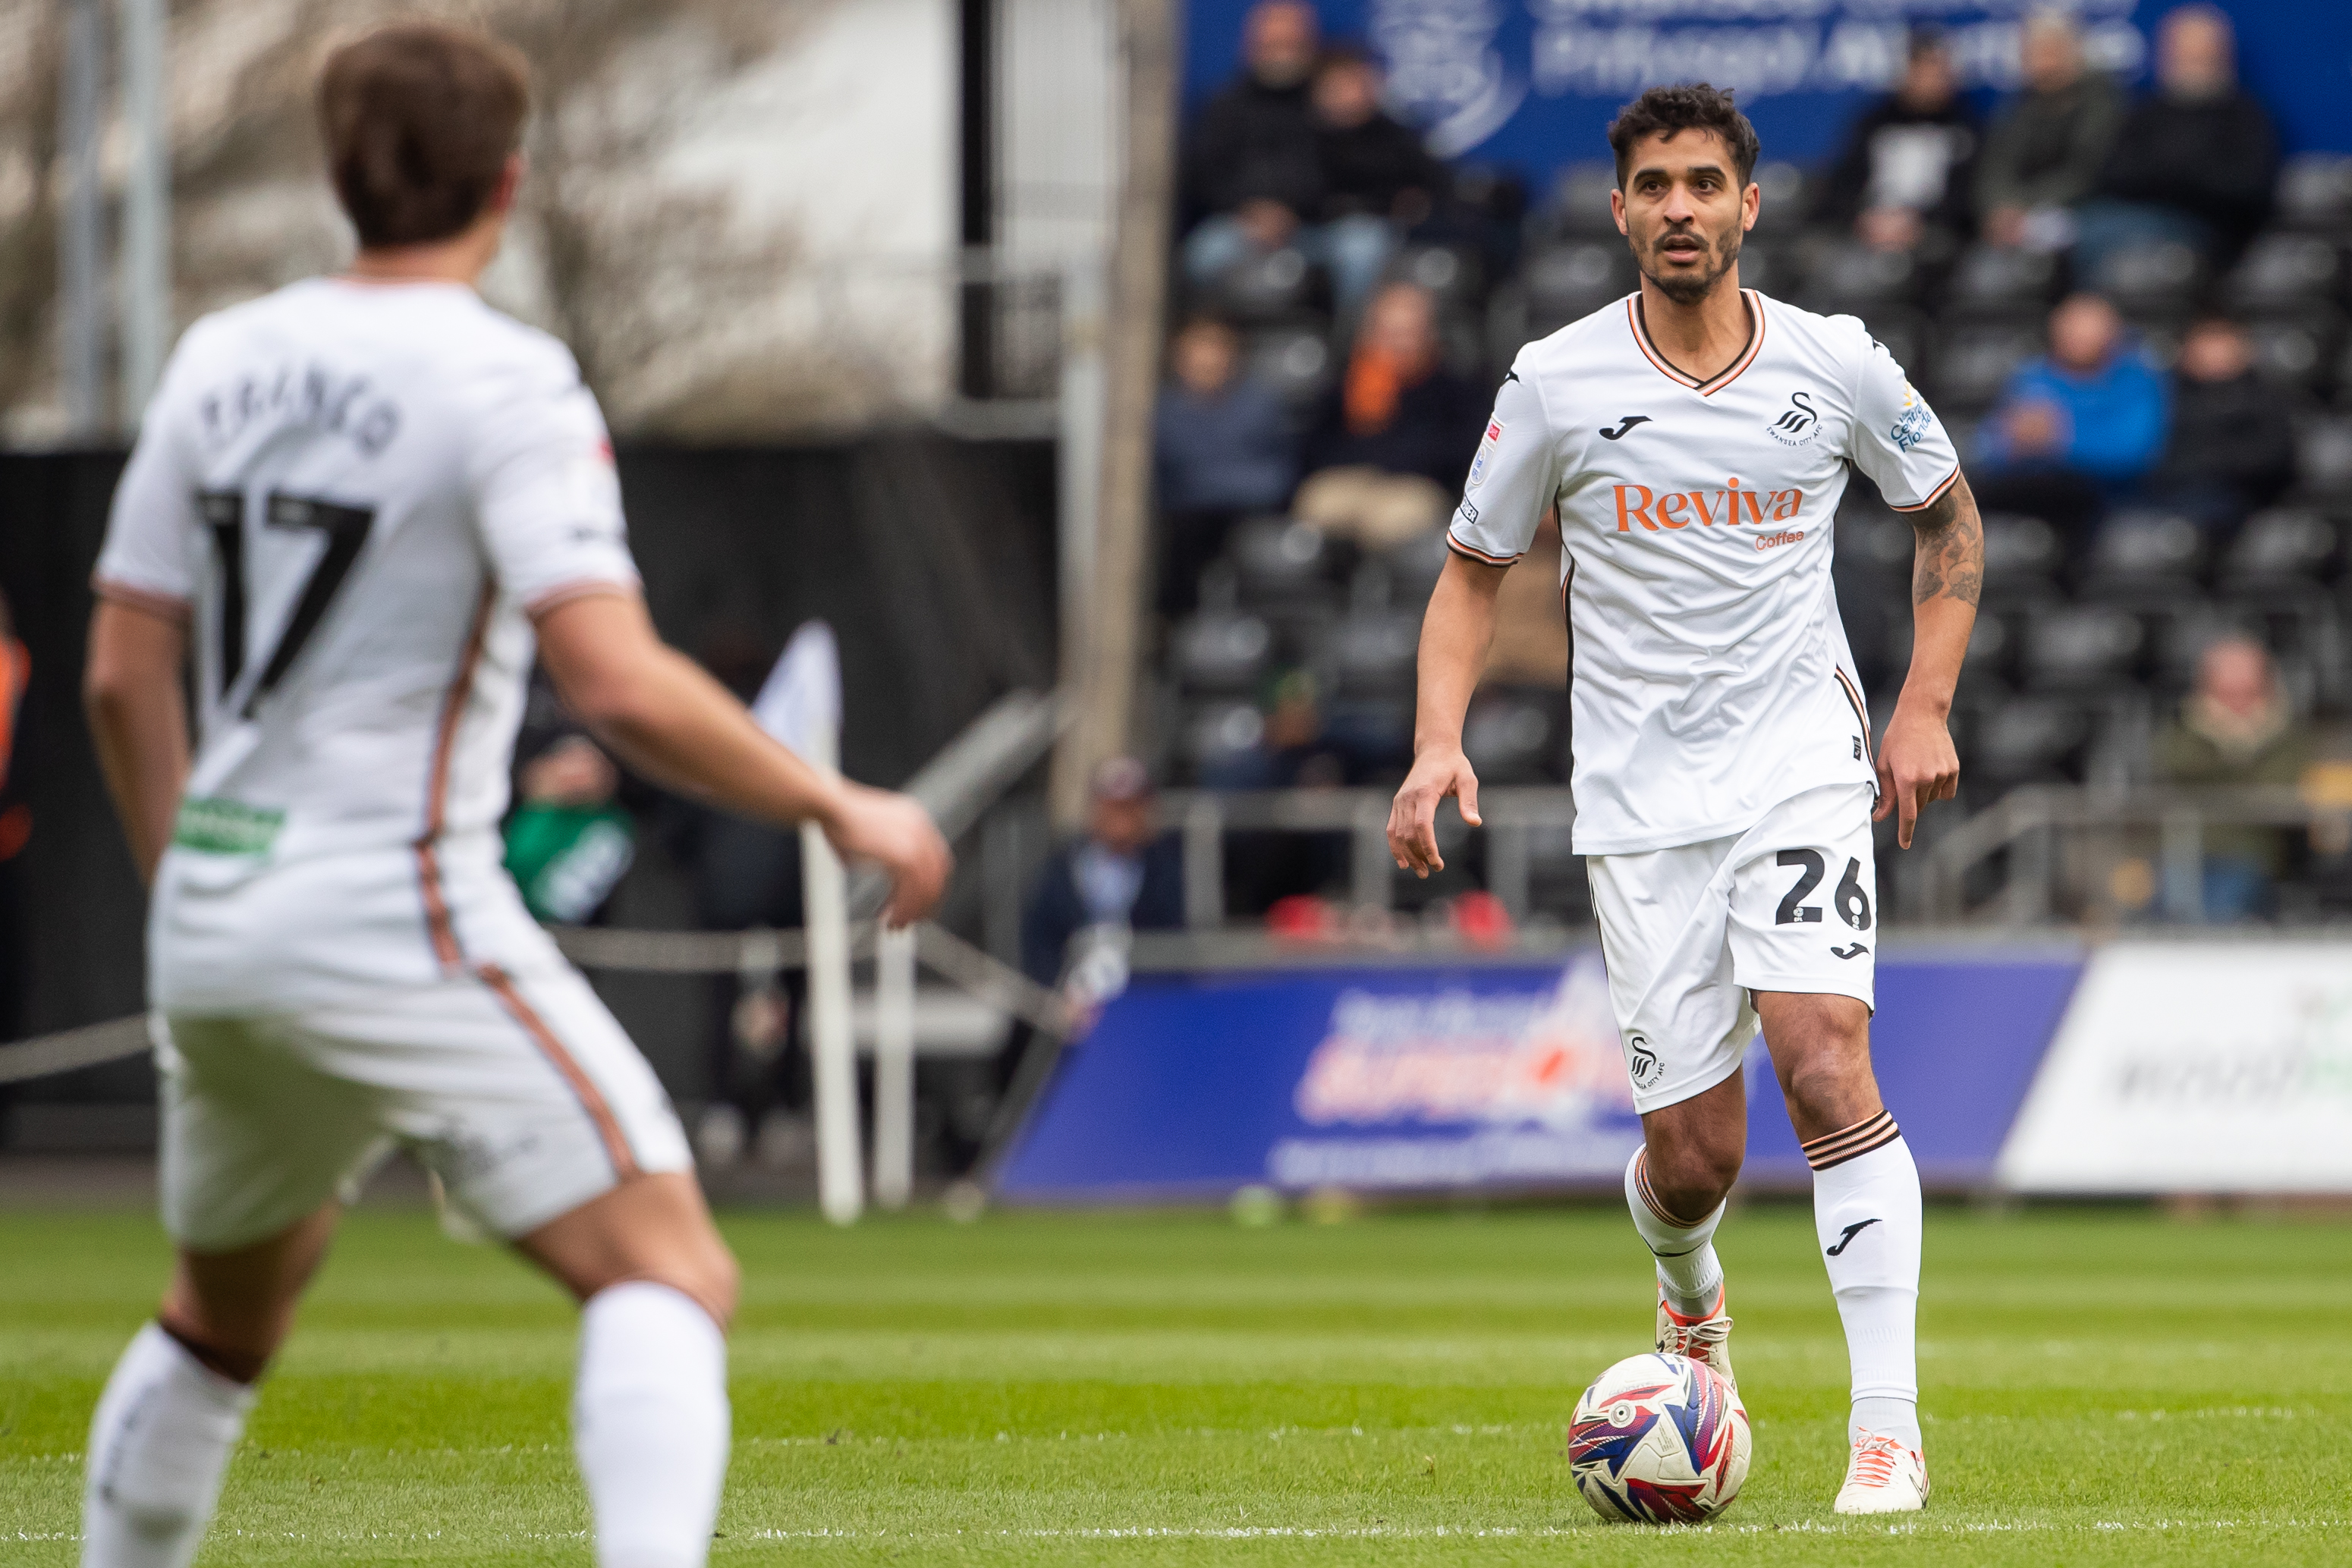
2079 427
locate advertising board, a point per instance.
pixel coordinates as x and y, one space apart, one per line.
1508 1079
2196 1067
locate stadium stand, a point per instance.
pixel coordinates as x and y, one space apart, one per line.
2087 644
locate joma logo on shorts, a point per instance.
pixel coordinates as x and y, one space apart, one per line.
1679 509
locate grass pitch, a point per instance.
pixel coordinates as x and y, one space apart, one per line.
2101 1388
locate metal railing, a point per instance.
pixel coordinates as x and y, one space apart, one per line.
2037 826
1512 815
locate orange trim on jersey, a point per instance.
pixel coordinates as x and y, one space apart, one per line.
580 588
1861 712
437 928
1478 554
452 711
442 932
168 606
1933 496
584 1088
1722 378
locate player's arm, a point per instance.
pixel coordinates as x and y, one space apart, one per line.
139 720
1513 478
1917 762
1455 633
666 718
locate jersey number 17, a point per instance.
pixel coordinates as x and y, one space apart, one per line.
346 528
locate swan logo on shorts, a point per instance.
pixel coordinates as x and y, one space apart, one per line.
1643 1064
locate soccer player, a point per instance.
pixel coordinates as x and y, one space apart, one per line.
1694 438
362 501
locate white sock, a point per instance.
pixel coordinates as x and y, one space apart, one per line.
649 1422
158 1445
1688 1271
1866 1213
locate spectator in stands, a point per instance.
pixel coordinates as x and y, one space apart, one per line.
2078 427
1388 446
1123 872
1254 166
2233 446
2197 160
1373 166
2045 149
2236 728
1909 161
1223 447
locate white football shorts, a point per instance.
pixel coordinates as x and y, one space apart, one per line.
288 1070
1690 932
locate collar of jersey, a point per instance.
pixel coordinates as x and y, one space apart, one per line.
1722 378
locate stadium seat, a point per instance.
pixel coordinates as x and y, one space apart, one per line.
1786 197
1581 202
2029 740
1564 282
1414 568
1221 651
2298 351
2315 193
1975 361
2146 557
1453 274
2159 280
2323 458
1279 286
1846 278
1513 737
2022 557
2089 648
1777 269
1296 361
1371 653
2284 272
2002 282
1220 735
1275 559
2183 637
2283 550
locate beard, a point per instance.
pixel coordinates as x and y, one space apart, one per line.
1689 289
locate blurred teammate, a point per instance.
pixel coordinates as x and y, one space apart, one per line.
361 502
1696 439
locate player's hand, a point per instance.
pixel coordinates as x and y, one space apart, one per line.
1413 818
1916 764
895 834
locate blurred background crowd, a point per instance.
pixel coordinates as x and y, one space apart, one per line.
2128 306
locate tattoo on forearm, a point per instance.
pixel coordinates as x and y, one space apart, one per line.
1950 558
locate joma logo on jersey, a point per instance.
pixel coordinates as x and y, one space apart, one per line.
1680 509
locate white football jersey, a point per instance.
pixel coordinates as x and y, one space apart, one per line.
1709 676
361 494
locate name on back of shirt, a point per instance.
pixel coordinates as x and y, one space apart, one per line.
293 396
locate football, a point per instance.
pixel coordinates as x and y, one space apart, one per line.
1659 1440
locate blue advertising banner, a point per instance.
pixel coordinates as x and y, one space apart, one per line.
1501 1078
1533 84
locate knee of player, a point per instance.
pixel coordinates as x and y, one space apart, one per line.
1691 1180
1829 1088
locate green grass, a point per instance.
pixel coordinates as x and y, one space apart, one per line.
2100 1388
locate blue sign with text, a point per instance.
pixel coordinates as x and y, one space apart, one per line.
1533 84
1449 1080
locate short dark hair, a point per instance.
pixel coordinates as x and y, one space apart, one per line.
1693 105
419 119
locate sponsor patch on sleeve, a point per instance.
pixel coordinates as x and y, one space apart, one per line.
1485 452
